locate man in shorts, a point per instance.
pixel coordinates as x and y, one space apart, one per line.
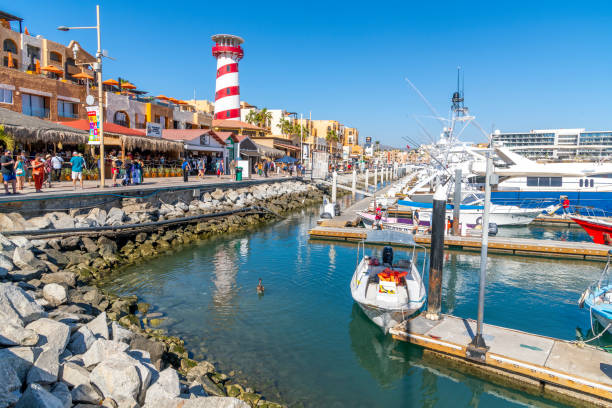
8 171
77 163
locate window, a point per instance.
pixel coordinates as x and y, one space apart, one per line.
34 105
532 181
67 109
121 118
228 91
227 114
581 182
10 46
555 182
55 56
228 68
6 96
592 182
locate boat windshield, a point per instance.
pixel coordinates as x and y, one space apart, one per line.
605 280
473 199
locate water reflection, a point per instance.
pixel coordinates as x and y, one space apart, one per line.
225 269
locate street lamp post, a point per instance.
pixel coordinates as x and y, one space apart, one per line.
98 69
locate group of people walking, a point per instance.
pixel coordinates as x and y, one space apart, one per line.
17 168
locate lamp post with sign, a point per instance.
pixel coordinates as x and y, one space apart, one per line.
96 114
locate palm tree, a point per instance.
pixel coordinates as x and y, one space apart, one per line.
264 118
331 136
251 117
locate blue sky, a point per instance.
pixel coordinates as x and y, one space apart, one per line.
527 65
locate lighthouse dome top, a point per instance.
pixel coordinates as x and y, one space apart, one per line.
220 37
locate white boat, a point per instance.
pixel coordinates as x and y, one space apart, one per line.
388 290
598 298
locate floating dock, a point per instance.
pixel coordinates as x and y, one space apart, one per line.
560 370
498 245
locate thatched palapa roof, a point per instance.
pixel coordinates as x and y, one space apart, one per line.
24 128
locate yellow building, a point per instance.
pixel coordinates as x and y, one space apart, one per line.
351 136
202 105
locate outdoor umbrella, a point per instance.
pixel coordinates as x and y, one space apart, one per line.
286 159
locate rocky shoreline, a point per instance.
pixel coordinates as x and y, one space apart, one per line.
63 342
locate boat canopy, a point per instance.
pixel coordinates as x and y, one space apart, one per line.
389 237
430 205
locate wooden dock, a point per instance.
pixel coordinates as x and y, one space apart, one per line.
554 220
498 245
560 370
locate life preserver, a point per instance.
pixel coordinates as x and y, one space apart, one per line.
389 275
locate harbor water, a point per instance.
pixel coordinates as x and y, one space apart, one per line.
305 343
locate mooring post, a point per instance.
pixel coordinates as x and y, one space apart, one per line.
436 258
477 348
334 185
457 202
375 178
354 186
367 179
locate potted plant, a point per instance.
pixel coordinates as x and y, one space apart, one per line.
146 172
67 173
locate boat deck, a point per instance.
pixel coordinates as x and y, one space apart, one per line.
567 369
500 245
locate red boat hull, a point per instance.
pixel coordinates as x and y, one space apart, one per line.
600 231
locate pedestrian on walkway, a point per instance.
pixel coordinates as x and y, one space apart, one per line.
56 163
20 172
77 163
38 173
48 169
186 169
8 171
266 167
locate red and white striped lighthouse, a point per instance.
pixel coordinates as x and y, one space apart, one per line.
228 52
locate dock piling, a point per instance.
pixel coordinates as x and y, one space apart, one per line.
334 185
436 259
367 180
354 185
375 178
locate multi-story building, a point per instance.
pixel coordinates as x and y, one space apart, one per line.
351 136
559 144
202 105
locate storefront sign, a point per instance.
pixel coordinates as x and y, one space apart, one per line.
205 140
368 140
93 116
305 154
154 129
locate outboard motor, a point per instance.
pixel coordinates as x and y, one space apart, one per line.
492 229
387 255
337 209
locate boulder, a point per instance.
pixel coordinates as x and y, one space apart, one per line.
12 222
181 207
100 349
17 306
20 359
215 402
165 209
65 278
89 245
24 258
98 215
117 378
106 246
140 237
10 383
115 216
86 393
62 221
121 334
38 223
99 326
62 393
6 264
201 369
6 244
167 387
53 335
26 274
217 194
73 374
45 369
13 335
231 196
55 294
81 340
71 243
57 257
36 396
154 348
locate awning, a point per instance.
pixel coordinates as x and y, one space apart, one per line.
250 153
269 151
51 68
82 75
287 146
198 148
127 85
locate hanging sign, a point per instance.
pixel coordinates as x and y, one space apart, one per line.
305 154
154 129
93 116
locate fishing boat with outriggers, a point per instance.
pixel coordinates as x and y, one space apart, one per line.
388 290
598 298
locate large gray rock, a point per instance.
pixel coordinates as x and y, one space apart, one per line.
24 258
45 369
101 349
17 306
22 242
36 396
6 244
73 374
20 359
25 275
6 265
117 378
99 326
63 278
55 294
62 221
217 194
13 335
10 383
12 222
106 246
81 340
215 402
86 393
38 223
166 387
115 216
98 215
231 196
62 393
121 334
154 348
53 335
89 245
